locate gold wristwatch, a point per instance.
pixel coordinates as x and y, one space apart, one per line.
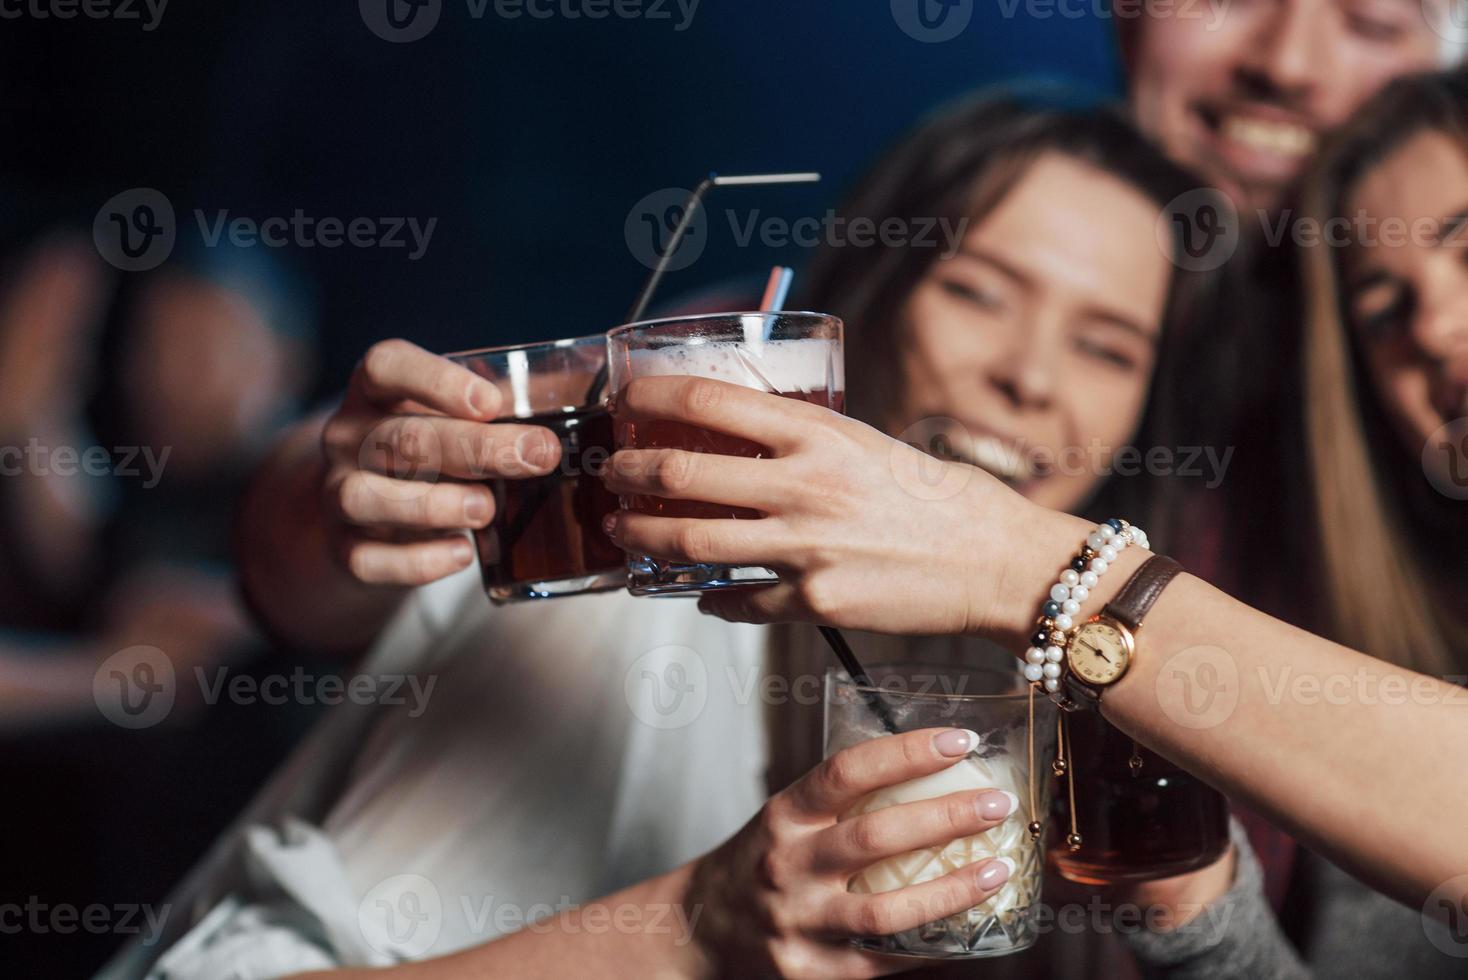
1099 651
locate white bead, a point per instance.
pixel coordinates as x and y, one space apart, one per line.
1107 554
1080 593
1059 592
1106 531
1064 622
1089 579
1051 670
1035 655
1052 684
1095 540
1054 654
1033 672
1070 577
1099 566
1120 541
1138 534
1070 607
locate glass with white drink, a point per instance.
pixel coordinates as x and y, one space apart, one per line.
996 705
795 355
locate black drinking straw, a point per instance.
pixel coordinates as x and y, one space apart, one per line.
859 676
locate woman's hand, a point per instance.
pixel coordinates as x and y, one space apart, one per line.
865 532
409 419
774 899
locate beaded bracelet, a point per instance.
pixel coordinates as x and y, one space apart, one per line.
1047 647
1057 616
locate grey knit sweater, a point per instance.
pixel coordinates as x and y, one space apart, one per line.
1339 927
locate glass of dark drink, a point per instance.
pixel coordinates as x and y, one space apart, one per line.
1139 816
546 539
796 355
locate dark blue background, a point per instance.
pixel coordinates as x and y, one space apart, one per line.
530 140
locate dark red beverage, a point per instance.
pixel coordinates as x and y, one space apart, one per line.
1136 823
546 536
677 435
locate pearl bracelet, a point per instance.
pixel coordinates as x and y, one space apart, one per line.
1057 616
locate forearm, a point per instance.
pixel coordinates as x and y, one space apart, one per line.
1335 746
644 931
286 568
1223 931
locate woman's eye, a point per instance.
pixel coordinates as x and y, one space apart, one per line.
1108 355
1375 20
971 294
1378 316
1374 28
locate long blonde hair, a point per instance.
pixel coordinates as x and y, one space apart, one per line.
1380 597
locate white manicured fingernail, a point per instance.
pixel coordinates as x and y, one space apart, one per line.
956 742
995 873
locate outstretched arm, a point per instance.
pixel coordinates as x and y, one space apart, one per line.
1346 751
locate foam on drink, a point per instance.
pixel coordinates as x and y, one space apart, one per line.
784 366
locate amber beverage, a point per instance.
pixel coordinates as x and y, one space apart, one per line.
794 355
1139 816
546 539
677 435
548 530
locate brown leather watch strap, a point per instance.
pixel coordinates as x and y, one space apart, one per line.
1130 605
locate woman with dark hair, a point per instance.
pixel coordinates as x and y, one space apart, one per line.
1351 760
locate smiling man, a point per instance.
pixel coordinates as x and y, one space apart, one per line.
1242 91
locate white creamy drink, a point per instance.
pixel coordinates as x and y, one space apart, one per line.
1010 839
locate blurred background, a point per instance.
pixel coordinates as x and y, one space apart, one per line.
457 172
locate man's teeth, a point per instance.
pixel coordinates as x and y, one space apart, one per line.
1279 138
1001 460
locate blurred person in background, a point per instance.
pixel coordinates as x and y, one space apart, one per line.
134 403
527 779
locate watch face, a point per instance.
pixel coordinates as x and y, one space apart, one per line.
1099 652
